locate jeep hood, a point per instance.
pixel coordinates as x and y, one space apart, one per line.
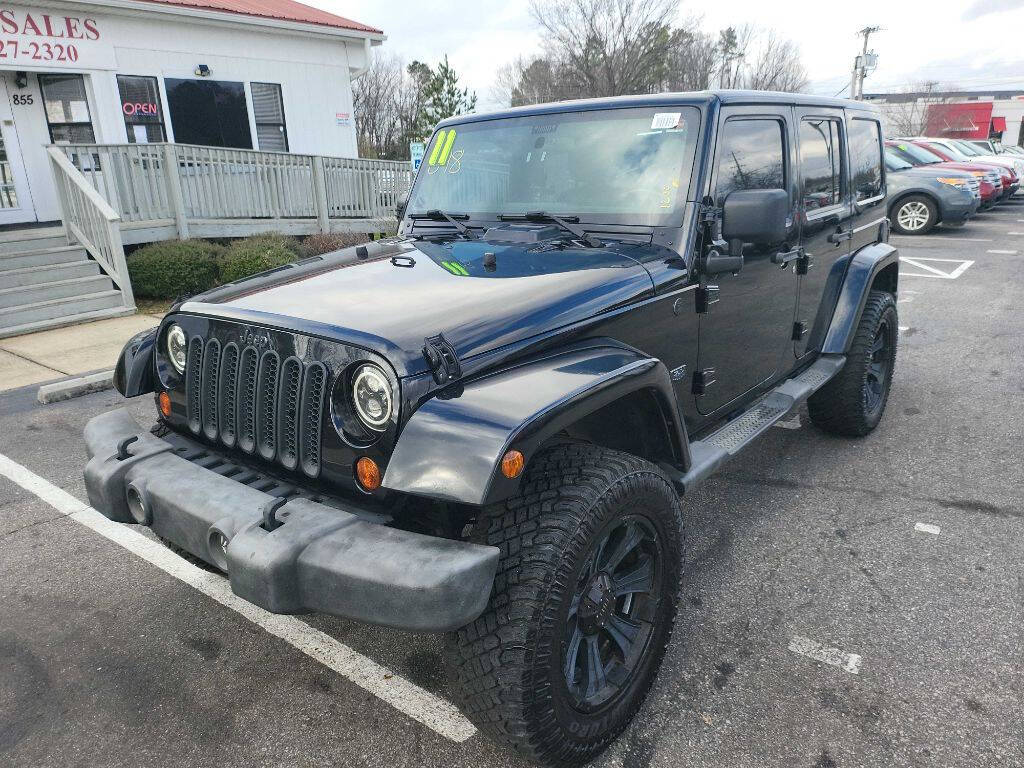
478 301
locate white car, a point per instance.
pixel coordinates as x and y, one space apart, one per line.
964 151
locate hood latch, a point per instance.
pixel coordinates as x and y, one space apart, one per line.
441 358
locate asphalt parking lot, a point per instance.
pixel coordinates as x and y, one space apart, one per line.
846 602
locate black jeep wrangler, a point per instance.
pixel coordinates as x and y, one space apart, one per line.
485 425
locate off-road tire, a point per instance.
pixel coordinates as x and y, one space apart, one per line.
922 206
841 406
506 667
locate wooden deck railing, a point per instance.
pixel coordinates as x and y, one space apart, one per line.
90 220
178 190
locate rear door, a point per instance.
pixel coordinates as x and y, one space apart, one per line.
826 213
867 173
745 335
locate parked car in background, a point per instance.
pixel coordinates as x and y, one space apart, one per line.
971 152
919 156
997 147
922 197
953 151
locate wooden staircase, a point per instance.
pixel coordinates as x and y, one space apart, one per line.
46 283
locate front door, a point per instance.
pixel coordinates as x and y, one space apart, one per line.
16 204
746 335
826 213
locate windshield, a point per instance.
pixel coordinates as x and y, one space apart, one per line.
915 154
967 148
894 163
621 166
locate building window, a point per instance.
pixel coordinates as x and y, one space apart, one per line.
268 109
140 105
208 112
67 109
820 162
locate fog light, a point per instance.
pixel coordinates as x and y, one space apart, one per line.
164 403
512 464
368 474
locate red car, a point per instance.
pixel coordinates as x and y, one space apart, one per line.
991 177
1006 172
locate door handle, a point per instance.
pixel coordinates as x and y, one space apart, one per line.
840 235
783 258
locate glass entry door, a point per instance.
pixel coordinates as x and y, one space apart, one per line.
15 199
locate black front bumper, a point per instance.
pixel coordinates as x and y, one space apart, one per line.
320 559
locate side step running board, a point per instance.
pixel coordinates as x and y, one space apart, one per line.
707 455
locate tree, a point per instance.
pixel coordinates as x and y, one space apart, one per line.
776 66
442 97
616 47
906 112
692 58
607 47
395 104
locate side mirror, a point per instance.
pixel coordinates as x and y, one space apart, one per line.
756 216
401 204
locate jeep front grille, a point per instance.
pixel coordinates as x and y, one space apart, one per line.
257 401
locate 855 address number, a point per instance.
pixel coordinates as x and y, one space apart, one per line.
10 49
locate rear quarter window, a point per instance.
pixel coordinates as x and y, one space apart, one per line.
866 158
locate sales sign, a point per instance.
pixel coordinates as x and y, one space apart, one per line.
34 38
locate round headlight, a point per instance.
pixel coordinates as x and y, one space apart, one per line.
175 342
371 395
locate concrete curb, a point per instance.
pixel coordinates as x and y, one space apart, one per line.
75 387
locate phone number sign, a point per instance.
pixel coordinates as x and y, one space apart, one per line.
34 38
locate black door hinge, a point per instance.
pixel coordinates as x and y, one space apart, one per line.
441 358
702 379
803 263
799 329
704 297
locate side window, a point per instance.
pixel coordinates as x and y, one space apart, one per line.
750 156
820 163
866 158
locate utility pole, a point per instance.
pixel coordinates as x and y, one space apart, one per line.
862 63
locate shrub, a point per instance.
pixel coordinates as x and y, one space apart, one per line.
314 245
174 268
257 254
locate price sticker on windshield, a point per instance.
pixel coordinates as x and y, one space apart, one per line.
665 120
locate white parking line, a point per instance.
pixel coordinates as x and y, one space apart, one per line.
1006 253
812 649
930 271
1015 233
436 713
939 238
927 528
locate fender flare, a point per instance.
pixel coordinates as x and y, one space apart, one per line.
853 295
134 373
451 447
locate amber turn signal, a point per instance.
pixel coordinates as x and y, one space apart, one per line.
368 474
164 403
512 464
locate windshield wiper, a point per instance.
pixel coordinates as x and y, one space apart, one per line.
451 218
565 222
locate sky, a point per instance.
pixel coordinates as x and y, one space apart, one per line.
971 44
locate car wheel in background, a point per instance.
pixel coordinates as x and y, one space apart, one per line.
914 215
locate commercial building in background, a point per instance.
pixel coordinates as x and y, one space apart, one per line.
997 115
273 75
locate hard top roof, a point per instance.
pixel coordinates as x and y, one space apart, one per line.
694 98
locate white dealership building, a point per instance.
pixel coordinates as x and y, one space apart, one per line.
272 75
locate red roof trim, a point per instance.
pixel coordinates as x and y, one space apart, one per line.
282 10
